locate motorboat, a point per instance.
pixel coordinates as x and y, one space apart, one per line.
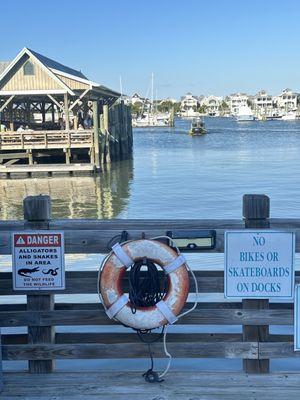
244 114
197 127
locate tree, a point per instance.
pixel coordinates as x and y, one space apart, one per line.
137 108
224 107
202 109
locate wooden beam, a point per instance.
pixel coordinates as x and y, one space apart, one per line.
96 133
55 102
66 111
6 103
79 98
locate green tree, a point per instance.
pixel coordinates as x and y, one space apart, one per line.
137 108
202 109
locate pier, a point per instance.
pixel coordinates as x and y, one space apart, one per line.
41 313
55 119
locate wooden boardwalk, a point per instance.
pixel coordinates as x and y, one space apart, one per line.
123 385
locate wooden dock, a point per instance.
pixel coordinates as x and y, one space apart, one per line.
58 116
255 345
122 385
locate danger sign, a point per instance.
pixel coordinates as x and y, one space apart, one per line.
38 260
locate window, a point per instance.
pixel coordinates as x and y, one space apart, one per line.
28 68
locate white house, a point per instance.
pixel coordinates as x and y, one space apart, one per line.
237 100
212 104
263 103
168 100
189 102
287 100
136 98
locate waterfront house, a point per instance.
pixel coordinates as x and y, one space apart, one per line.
189 102
287 101
212 104
262 103
236 101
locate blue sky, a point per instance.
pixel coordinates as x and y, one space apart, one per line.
206 47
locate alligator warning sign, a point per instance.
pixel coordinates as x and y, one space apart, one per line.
38 260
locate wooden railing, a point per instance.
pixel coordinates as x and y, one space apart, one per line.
46 140
255 345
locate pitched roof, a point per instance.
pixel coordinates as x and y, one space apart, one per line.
57 66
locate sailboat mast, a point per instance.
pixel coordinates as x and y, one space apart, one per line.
152 92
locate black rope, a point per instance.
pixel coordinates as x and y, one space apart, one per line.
146 288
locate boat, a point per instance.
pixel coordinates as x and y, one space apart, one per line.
197 127
152 117
147 120
289 116
244 114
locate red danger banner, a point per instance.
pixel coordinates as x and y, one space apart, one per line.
37 240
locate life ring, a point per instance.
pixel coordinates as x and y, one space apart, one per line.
117 304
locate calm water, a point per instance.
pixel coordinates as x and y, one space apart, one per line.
174 175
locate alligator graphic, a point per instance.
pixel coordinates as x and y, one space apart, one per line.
26 271
51 271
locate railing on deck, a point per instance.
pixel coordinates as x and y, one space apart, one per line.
46 140
255 345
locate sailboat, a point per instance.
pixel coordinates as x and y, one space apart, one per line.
153 118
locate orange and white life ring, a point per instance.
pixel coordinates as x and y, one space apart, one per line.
117 303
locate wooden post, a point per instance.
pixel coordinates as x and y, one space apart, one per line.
96 133
30 157
66 110
37 214
256 212
106 130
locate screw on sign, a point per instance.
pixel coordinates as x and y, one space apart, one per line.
38 260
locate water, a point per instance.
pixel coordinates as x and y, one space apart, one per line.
174 175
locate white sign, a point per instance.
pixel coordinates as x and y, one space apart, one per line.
297 319
259 264
38 260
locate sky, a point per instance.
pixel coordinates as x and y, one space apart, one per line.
204 47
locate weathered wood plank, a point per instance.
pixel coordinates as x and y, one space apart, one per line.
85 282
80 241
199 316
178 385
110 337
83 337
131 350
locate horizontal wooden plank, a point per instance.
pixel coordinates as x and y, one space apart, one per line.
85 282
93 236
178 385
199 316
277 350
110 337
131 350
95 306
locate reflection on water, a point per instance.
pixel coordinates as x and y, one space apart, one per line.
104 196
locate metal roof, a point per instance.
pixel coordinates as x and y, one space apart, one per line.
48 62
